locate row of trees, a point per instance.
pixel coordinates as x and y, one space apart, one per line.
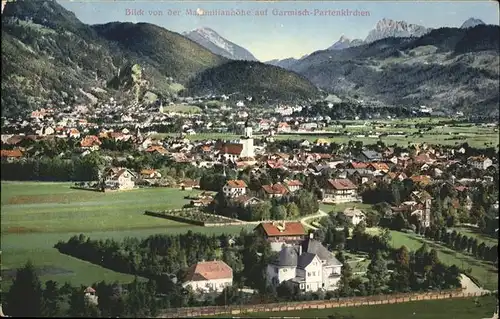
463 243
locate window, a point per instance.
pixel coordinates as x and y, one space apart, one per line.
276 270
307 286
314 273
308 274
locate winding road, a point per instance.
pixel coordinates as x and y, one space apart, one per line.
305 219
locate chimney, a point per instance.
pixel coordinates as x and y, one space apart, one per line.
300 249
311 235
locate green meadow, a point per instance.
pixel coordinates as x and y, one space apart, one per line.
36 215
463 308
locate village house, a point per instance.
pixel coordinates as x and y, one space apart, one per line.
11 155
479 162
189 184
246 200
274 190
90 142
284 127
234 188
90 295
308 265
340 191
119 179
208 276
354 215
74 133
422 180
293 185
149 174
279 233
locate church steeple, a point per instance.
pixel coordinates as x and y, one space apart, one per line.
248 129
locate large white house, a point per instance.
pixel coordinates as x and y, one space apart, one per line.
208 276
234 188
309 265
119 179
340 190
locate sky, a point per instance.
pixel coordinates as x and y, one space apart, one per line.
269 35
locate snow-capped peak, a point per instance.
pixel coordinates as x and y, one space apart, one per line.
386 28
471 23
344 43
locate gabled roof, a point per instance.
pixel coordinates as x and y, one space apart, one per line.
289 229
371 154
341 183
288 256
313 246
275 189
230 148
236 183
208 270
11 153
305 259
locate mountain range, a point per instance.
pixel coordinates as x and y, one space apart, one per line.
215 43
50 57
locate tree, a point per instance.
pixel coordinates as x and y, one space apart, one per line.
399 222
278 212
25 296
377 272
360 228
474 246
292 211
402 257
344 285
385 237
346 232
51 299
481 249
458 242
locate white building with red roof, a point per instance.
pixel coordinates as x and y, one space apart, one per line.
279 233
208 276
340 190
234 188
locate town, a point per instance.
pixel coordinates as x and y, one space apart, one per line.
325 218
153 168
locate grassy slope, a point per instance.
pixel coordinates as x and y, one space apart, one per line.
485 272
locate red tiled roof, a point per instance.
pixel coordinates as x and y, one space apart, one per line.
157 148
420 178
90 140
148 171
380 166
208 270
231 148
277 189
341 183
291 229
11 153
236 183
359 165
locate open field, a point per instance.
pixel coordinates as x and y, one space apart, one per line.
36 215
341 207
54 207
485 272
181 108
465 308
475 140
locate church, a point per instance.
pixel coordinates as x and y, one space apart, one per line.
242 149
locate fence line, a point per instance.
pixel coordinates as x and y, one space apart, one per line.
316 304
